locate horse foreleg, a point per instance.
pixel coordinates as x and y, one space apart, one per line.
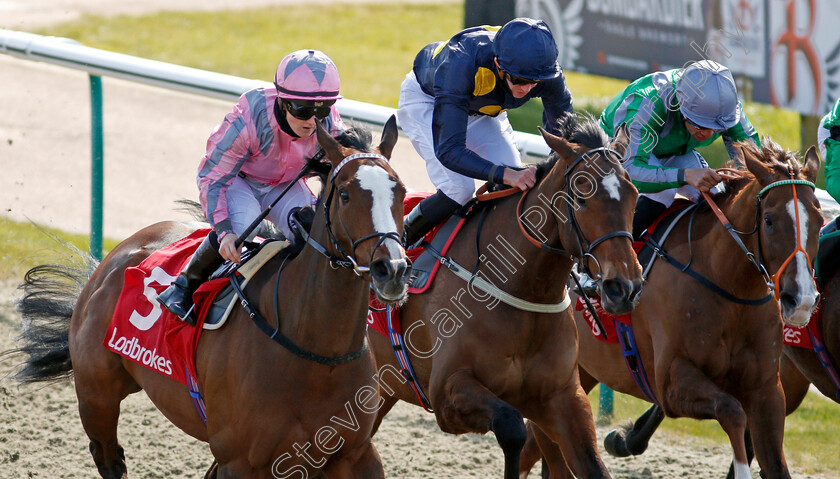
566 419
633 440
530 454
692 394
462 405
766 418
553 464
362 463
387 403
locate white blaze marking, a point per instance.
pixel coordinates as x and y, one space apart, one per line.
611 184
381 187
742 471
804 281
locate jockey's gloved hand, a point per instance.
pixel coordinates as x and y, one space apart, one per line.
304 215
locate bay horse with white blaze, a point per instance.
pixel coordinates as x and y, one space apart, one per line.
265 404
486 364
713 353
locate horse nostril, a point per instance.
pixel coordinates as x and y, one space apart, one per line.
381 270
613 288
788 301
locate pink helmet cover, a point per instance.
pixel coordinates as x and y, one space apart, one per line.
307 75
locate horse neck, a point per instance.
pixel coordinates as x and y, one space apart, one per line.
322 308
539 275
722 252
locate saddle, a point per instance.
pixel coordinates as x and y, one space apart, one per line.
253 259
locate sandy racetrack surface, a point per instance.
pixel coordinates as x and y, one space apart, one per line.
43 437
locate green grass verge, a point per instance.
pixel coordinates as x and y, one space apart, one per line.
372 44
810 445
26 245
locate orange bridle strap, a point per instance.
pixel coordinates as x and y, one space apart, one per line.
773 282
778 275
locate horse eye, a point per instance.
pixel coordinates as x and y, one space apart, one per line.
344 195
768 223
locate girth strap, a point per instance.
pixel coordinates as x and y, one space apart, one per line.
633 358
406 369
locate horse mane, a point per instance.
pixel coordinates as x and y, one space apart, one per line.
581 129
357 137
772 155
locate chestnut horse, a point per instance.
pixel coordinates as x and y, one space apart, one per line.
798 369
265 404
486 364
706 356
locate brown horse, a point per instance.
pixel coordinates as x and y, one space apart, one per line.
486 364
706 356
271 411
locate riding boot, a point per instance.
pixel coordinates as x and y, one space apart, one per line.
177 298
647 211
426 215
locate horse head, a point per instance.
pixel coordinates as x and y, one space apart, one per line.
788 220
593 200
363 209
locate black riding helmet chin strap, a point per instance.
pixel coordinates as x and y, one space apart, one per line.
280 115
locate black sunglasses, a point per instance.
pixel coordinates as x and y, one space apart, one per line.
515 80
695 125
305 112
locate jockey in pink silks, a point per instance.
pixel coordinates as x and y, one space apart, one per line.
252 156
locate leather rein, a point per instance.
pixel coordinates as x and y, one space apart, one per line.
772 281
584 246
344 260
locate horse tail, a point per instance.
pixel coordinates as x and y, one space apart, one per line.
50 294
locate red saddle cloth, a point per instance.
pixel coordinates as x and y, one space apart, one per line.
799 337
142 330
377 317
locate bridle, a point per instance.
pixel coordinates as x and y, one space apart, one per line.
343 259
772 281
584 246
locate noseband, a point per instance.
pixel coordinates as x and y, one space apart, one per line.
773 282
586 247
345 260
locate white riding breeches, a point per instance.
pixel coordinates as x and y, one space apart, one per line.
247 198
489 137
692 159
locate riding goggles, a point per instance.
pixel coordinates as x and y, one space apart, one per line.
307 111
695 125
515 80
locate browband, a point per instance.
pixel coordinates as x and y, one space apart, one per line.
356 156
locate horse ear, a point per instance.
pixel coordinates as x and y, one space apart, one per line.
558 145
755 163
621 139
330 145
812 164
389 137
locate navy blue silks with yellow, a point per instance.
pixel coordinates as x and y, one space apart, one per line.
462 77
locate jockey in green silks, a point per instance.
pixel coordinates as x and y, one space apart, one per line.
668 115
